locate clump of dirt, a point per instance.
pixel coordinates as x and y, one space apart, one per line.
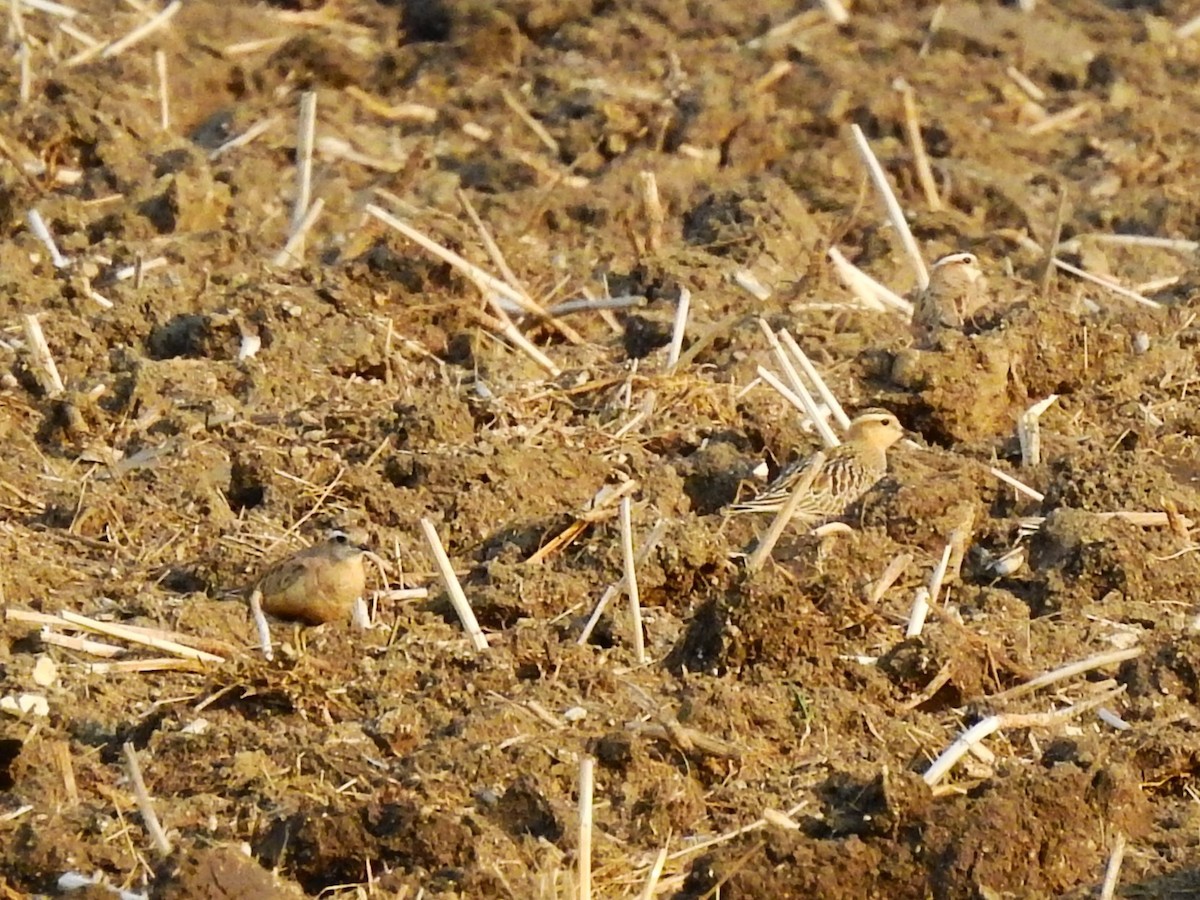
222 404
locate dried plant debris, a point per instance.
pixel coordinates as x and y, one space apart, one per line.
526 296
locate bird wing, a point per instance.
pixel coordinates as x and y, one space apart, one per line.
774 495
843 478
283 575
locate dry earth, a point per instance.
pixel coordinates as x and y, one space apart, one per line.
399 762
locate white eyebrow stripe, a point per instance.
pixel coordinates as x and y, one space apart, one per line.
956 258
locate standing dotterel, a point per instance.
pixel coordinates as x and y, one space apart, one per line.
317 585
851 469
957 291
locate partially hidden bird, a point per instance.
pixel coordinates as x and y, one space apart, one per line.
850 470
957 290
317 585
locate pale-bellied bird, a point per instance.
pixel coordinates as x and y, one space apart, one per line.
319 584
957 290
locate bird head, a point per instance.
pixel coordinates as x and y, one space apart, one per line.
877 427
346 544
957 271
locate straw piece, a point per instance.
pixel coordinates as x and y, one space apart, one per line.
799 388
1182 32
294 248
1019 485
939 573
631 587
255 131
1112 872
774 75
526 303
918 613
811 373
134 637
912 126
734 834
836 11
501 324
261 625
1056 227
38 226
1131 240
80 644
533 124
457 598
586 782
785 30
890 575
147 265
680 326
648 545
651 886
1029 433
895 213
149 817
1023 81
687 740
48 6
164 98
489 244
43 362
25 67
652 206
62 755
143 31
1108 285
127 666
1061 119
926 597
748 282
590 304
469 269
400 112
306 135
784 391
784 516
869 291
254 46
600 507
980 730
1070 670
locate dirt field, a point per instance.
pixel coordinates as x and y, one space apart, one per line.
221 408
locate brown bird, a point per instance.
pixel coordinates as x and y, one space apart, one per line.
851 469
957 291
317 585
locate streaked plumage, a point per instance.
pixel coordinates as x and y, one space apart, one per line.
850 470
957 291
316 585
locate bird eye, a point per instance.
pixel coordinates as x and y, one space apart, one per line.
341 537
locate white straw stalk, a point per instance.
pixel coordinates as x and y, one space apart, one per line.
457 598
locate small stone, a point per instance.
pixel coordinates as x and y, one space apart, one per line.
45 672
21 705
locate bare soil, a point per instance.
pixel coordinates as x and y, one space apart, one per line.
397 761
